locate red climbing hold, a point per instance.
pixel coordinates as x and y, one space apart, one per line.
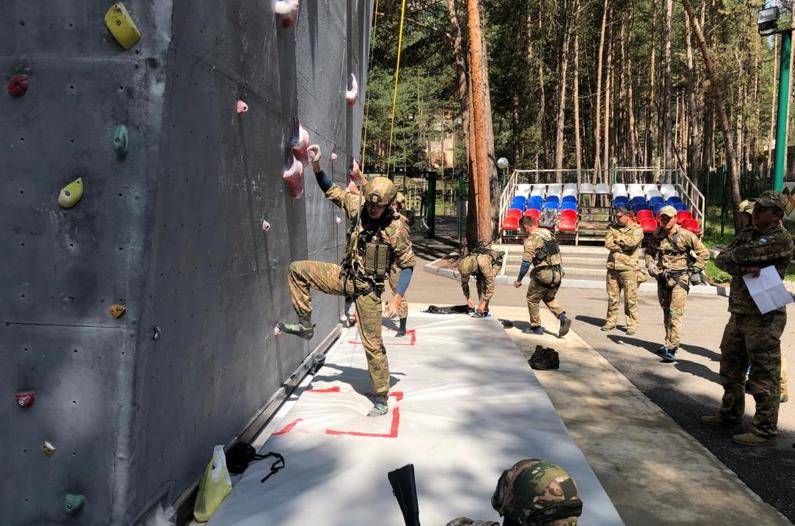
242 107
26 398
294 176
300 142
18 85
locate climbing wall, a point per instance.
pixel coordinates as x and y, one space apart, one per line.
170 230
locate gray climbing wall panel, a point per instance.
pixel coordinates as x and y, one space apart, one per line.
172 231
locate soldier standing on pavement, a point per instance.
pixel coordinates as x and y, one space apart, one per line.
376 238
668 257
542 251
623 240
394 272
484 264
533 493
751 337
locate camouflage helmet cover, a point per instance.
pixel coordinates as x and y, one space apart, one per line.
380 191
536 492
770 199
400 199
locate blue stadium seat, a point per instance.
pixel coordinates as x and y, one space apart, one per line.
680 207
519 202
656 199
620 201
551 203
569 199
569 205
535 202
672 200
656 207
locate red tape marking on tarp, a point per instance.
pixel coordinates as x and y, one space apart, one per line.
335 389
289 427
393 428
412 341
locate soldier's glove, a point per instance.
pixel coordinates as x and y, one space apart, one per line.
653 270
314 153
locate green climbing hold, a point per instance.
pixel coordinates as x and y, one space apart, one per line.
73 503
71 193
120 141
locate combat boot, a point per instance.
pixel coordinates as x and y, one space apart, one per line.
303 329
750 439
539 330
631 331
607 327
717 421
669 355
402 329
565 325
380 407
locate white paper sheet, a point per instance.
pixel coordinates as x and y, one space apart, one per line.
768 291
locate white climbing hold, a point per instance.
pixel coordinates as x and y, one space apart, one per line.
242 107
352 95
276 330
300 143
287 11
338 219
294 176
48 448
265 226
333 156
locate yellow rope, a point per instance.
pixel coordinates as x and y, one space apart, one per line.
397 76
367 101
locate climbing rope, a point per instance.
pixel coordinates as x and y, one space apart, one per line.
397 76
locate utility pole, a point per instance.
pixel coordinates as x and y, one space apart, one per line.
783 110
478 146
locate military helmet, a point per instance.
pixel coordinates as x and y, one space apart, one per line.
536 492
770 199
746 206
380 191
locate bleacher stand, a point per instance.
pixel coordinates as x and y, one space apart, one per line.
524 189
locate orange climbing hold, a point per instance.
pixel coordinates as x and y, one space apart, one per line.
122 26
18 85
26 398
117 311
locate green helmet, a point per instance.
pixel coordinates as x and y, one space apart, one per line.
770 199
536 492
380 191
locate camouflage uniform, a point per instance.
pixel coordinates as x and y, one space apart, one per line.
751 337
669 252
484 268
333 279
394 272
544 278
463 521
622 272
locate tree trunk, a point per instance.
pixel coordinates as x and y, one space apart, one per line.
575 94
648 145
609 79
665 125
718 99
561 113
597 129
481 113
460 65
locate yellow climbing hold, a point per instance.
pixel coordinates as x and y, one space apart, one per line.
71 193
117 311
122 26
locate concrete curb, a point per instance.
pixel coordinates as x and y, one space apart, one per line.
645 288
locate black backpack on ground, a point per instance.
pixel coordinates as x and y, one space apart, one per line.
544 359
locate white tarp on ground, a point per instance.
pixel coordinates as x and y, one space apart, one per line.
464 406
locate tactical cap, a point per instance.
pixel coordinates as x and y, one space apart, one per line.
536 492
746 207
770 199
400 199
380 191
667 211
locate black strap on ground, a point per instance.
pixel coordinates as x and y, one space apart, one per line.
277 465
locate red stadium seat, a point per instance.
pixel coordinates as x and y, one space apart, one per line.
532 212
645 214
692 225
568 213
510 223
567 224
514 212
682 216
649 225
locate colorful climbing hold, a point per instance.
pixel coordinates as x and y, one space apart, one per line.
156 331
300 142
333 156
73 503
71 194
276 330
18 85
48 448
265 226
120 141
117 311
338 219
294 176
122 26
242 107
287 12
26 398
352 95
